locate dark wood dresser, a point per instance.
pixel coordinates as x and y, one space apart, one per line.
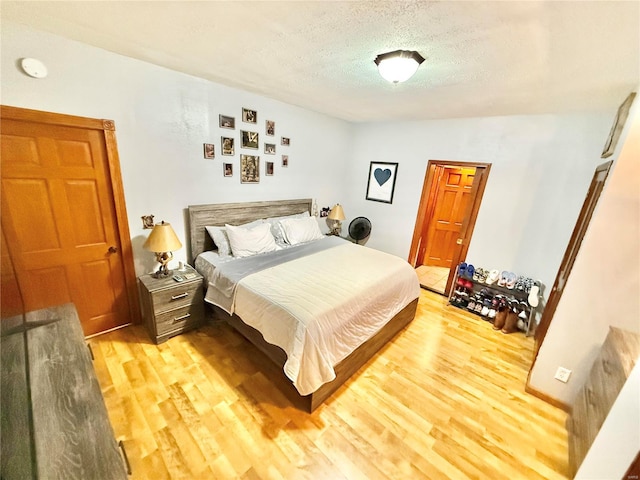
54 422
618 355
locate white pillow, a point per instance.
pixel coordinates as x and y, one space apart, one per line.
300 230
250 241
219 237
276 228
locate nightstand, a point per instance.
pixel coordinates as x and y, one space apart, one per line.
171 307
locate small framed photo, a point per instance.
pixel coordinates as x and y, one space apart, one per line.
285 141
227 122
249 116
228 146
209 150
382 181
228 169
268 168
249 169
249 139
270 128
285 160
270 148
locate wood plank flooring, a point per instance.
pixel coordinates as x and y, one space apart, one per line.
444 400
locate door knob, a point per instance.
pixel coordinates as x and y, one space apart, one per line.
459 241
113 249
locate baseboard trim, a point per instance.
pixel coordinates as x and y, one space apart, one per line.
550 400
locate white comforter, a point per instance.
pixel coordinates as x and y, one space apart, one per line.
321 307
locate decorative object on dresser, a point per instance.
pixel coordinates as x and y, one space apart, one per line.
163 241
172 306
618 355
336 215
54 419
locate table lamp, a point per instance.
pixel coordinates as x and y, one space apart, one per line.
336 215
163 241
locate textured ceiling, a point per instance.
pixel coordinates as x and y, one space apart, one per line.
482 58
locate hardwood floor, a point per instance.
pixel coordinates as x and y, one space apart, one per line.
444 400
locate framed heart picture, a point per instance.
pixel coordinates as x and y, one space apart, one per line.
382 181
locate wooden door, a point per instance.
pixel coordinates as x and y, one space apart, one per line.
60 218
590 202
452 201
427 207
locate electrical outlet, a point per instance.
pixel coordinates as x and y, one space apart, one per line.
563 374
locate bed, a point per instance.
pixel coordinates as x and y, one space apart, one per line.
284 308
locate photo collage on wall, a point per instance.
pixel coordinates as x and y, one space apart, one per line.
248 144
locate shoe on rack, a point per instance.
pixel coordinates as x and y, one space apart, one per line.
524 307
501 317
534 297
502 281
470 270
476 275
462 270
493 277
511 323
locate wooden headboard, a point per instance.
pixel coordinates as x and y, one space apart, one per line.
218 214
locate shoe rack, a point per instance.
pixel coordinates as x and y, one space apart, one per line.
508 309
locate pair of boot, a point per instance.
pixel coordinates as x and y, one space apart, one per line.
506 320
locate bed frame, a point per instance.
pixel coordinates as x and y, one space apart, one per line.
238 213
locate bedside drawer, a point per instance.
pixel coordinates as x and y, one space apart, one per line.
180 319
171 298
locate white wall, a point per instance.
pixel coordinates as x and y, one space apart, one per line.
540 173
604 284
162 120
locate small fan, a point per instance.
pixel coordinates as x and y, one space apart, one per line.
359 228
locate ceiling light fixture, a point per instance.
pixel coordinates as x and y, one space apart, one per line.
398 66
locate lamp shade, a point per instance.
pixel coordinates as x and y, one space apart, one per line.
162 239
398 66
336 213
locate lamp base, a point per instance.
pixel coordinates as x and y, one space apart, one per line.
163 258
162 272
